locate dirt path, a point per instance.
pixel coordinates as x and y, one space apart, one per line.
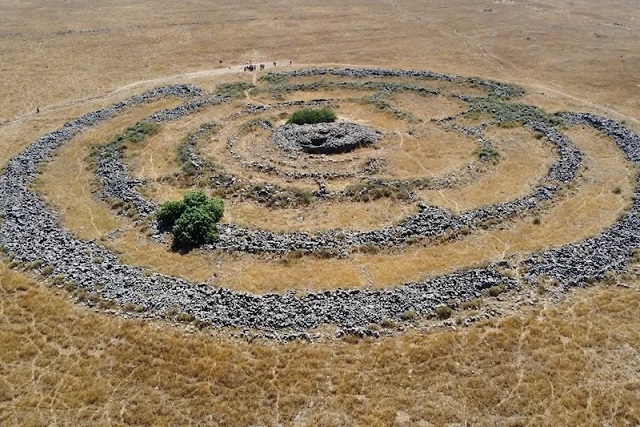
156 81
585 101
239 68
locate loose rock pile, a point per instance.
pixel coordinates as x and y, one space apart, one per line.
324 138
498 89
594 258
30 232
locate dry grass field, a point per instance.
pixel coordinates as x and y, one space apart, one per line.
541 361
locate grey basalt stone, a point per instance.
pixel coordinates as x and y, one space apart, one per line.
427 223
30 232
324 138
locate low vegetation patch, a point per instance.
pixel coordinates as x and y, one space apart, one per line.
444 312
192 220
488 154
274 78
312 116
511 114
233 89
496 290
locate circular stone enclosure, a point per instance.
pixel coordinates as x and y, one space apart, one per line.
32 234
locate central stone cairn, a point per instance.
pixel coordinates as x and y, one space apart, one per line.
324 138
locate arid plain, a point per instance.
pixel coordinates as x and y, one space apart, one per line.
569 360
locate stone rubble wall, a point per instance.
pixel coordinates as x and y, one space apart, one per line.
30 232
429 222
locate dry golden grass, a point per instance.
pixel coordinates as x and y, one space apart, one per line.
524 161
66 182
571 364
575 363
157 156
430 107
149 42
591 208
319 217
586 211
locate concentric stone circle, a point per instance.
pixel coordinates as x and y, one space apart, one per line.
430 222
30 232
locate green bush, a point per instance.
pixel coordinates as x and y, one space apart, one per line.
169 213
309 116
192 220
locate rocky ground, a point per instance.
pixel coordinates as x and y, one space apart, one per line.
324 138
30 234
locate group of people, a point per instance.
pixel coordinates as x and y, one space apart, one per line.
253 67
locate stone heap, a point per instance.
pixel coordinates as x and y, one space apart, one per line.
324 138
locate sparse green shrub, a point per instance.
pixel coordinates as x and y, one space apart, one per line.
369 249
409 315
191 220
325 254
311 116
388 324
34 264
233 89
140 131
536 220
511 114
303 197
509 124
171 312
496 290
58 279
297 254
184 317
444 312
274 78
617 190
46 270
488 154
473 304
137 308
106 304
